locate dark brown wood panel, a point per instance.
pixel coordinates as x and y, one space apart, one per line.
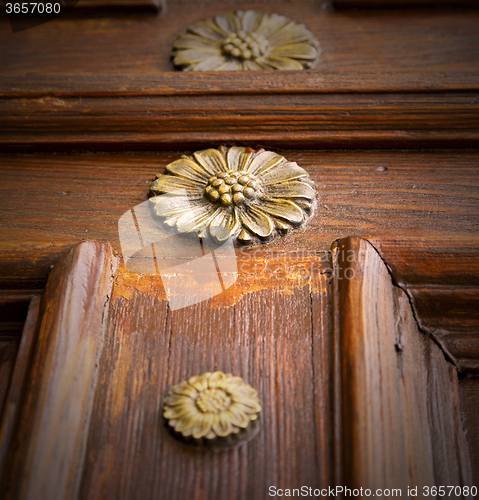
417 73
139 45
51 202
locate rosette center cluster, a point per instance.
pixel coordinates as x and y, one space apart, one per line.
245 45
231 187
213 401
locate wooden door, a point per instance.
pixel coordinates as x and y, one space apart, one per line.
359 331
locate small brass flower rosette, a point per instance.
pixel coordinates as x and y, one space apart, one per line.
212 409
245 41
249 196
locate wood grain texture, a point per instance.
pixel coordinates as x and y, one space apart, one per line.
47 451
401 416
372 120
354 43
276 338
51 202
418 208
416 75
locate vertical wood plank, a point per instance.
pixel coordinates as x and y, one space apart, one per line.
47 452
276 338
401 420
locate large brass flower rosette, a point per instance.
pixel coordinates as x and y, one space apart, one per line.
245 41
250 196
212 409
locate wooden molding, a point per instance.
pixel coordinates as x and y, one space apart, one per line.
399 400
46 452
330 119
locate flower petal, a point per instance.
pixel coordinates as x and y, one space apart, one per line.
208 29
239 158
244 390
231 383
191 41
229 23
224 225
166 204
186 424
291 34
185 389
284 63
295 50
284 209
271 24
212 160
172 184
196 218
209 64
264 161
286 172
215 380
191 56
256 221
200 383
222 425
244 236
247 405
203 426
251 20
231 65
188 169
179 411
237 417
249 65
175 400
294 189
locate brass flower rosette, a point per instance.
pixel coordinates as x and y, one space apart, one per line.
212 409
245 41
234 192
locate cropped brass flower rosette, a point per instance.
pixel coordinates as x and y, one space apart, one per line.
250 196
245 41
213 408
